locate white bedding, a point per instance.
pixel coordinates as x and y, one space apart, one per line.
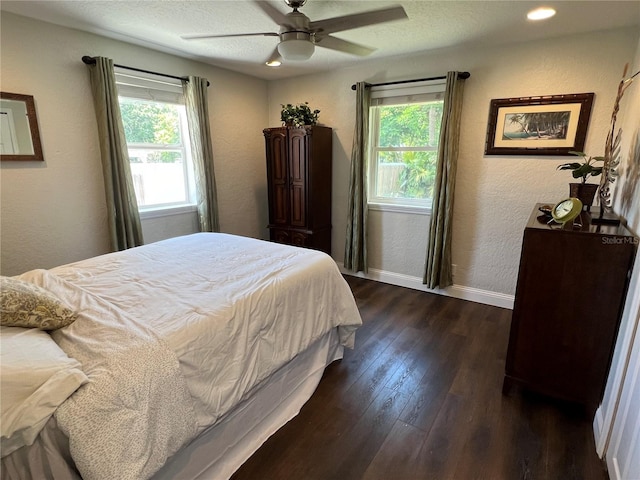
229 311
37 376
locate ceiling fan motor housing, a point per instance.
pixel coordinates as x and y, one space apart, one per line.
296 38
296 46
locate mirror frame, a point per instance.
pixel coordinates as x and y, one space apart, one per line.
33 127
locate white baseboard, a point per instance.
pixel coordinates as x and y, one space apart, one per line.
598 423
458 291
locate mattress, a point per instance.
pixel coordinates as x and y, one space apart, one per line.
173 336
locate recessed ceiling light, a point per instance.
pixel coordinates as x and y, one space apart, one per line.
274 63
541 13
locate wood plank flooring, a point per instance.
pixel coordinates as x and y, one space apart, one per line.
420 397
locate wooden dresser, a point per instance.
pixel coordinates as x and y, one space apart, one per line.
299 168
571 287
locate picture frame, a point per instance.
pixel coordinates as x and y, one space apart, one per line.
19 132
545 125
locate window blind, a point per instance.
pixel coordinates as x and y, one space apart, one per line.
402 94
148 86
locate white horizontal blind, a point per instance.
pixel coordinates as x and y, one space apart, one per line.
147 86
402 94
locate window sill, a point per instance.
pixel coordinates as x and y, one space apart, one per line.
166 211
412 210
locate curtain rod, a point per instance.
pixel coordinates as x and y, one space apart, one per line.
92 61
462 75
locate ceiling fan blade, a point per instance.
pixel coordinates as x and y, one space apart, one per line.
335 43
206 35
357 20
276 15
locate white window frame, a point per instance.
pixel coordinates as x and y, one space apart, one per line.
158 89
401 94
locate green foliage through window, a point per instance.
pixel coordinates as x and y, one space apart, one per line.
406 151
413 125
150 122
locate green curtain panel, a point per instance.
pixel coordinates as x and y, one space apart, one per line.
355 253
195 92
438 265
122 208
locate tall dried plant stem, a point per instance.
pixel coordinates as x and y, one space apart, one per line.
612 145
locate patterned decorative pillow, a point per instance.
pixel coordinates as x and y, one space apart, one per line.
23 304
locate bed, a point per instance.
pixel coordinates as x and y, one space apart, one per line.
184 356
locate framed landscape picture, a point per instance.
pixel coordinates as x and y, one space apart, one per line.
548 125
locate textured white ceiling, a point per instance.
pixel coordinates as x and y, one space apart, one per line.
158 24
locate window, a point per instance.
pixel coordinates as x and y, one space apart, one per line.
404 133
154 119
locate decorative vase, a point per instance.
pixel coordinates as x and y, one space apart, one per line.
585 192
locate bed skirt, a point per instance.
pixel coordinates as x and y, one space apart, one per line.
219 451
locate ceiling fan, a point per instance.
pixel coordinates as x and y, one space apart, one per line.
299 36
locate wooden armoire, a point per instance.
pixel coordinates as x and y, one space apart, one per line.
299 185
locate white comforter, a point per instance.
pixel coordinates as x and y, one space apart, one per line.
190 325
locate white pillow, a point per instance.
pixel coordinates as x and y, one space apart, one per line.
35 377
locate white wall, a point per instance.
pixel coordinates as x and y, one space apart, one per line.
494 195
53 212
617 419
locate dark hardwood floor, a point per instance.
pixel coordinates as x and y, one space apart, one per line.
420 397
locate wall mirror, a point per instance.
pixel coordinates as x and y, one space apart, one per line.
19 134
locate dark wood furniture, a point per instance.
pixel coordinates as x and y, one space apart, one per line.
569 298
299 164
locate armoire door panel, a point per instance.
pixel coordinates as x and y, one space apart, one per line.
297 170
279 158
280 204
298 217
278 176
298 156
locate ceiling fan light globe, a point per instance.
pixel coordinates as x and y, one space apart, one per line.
296 50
